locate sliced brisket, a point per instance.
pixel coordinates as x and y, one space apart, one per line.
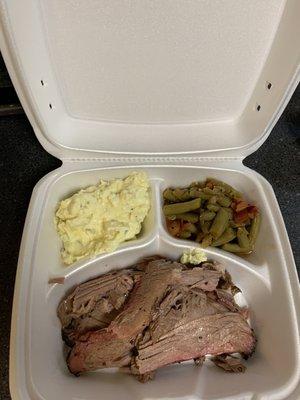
94 304
156 313
214 334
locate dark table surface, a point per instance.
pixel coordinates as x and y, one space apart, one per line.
24 162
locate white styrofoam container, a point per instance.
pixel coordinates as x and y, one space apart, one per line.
182 90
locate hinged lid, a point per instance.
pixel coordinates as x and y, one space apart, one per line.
111 78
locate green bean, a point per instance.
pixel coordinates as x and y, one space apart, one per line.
242 237
227 236
254 229
177 194
200 236
205 225
181 208
168 194
185 234
207 240
235 248
171 217
220 223
207 190
181 194
237 225
213 207
195 193
213 200
230 212
220 189
198 193
189 227
204 196
216 190
233 224
207 215
189 217
228 189
224 201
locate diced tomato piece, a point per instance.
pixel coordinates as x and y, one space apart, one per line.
241 216
173 227
241 205
209 184
252 211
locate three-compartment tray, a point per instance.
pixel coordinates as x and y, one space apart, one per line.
38 358
184 90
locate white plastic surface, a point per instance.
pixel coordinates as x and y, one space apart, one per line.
267 279
109 78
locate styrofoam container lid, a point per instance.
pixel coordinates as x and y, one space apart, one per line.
111 78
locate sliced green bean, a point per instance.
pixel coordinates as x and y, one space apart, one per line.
189 217
213 207
205 225
181 208
195 193
200 236
207 215
181 194
235 248
228 189
213 200
205 196
185 234
171 217
220 223
219 189
207 190
254 229
190 227
207 240
227 236
168 195
224 201
230 212
237 225
242 237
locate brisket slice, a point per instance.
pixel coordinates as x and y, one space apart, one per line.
107 347
99 349
94 304
156 277
213 334
180 307
147 293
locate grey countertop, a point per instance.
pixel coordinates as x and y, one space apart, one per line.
24 162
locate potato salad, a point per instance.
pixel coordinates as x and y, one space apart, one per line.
99 218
